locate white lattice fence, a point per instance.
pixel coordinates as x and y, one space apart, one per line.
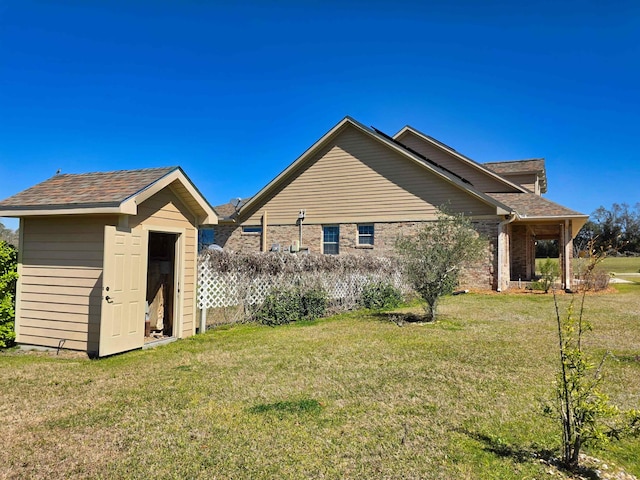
228 289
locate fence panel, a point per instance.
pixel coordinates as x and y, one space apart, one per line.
228 289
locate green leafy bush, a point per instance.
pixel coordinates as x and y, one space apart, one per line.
284 306
280 307
313 303
380 295
8 277
550 271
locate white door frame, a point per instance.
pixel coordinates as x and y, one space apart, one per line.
178 272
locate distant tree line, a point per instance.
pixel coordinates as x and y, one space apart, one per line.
614 230
8 235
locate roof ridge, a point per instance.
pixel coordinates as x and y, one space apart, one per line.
128 170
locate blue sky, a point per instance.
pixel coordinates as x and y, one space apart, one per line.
234 92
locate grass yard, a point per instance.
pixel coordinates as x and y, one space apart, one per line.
618 265
354 396
622 264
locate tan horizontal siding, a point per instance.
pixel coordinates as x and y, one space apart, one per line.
40 274
68 257
362 180
52 342
72 289
527 180
62 299
77 318
32 281
56 333
55 325
480 180
59 307
61 279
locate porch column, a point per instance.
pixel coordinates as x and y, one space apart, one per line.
504 273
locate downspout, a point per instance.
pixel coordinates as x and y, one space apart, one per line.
501 234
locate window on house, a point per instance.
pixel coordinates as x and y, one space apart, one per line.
205 238
365 235
250 229
330 239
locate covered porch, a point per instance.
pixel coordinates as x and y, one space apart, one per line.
518 249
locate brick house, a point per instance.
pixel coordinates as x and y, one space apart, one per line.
356 189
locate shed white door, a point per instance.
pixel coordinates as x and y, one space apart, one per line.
124 283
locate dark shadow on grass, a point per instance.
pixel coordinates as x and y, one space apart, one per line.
628 358
400 318
290 407
522 454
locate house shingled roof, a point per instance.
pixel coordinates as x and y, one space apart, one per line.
532 205
99 188
224 211
512 167
533 165
227 211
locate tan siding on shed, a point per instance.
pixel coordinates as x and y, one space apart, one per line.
480 180
61 281
358 180
164 209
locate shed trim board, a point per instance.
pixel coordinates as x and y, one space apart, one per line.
18 308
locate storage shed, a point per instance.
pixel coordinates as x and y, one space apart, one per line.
107 260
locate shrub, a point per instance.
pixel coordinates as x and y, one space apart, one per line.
288 305
380 295
550 272
280 307
313 303
8 277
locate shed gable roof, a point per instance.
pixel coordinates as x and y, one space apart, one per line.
118 192
86 189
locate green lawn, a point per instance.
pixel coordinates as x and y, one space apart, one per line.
618 265
355 396
622 264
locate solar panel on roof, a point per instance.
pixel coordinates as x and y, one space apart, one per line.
418 154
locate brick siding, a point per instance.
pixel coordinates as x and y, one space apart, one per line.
480 275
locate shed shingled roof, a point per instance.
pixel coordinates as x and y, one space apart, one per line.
98 188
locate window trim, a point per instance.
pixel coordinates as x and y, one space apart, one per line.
336 243
255 230
372 235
